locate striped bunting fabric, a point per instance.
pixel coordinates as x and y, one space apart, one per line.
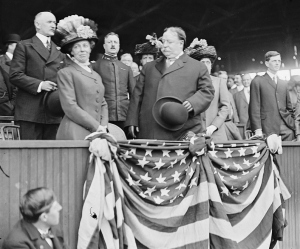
181 194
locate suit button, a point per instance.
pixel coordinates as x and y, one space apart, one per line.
97 100
97 110
98 91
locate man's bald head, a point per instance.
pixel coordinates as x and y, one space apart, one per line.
45 23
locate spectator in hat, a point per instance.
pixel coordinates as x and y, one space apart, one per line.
270 108
127 59
219 110
34 70
147 51
80 88
173 75
7 90
40 211
117 79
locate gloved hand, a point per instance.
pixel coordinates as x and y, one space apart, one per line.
210 130
274 143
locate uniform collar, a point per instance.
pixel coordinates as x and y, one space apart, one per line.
109 57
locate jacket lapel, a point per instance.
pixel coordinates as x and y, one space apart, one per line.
179 63
269 80
83 71
244 96
54 53
160 64
40 48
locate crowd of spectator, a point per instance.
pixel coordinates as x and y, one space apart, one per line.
128 90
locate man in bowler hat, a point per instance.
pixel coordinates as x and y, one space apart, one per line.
33 70
7 91
40 211
173 75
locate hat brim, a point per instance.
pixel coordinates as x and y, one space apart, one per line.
156 115
52 104
67 44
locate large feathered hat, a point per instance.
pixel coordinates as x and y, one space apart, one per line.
199 50
75 28
150 47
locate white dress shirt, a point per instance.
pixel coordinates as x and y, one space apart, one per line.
273 76
247 93
48 240
171 60
9 55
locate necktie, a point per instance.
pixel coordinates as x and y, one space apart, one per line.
275 80
48 235
48 45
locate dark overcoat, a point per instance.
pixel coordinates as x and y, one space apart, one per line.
81 95
31 64
242 106
269 104
186 79
24 235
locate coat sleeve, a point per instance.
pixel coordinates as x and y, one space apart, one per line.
17 75
223 105
131 82
235 116
67 97
200 101
104 113
254 105
136 101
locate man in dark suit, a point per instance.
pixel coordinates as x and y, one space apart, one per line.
7 91
117 79
270 108
242 99
34 70
40 211
174 75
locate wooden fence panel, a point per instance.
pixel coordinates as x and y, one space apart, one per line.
61 166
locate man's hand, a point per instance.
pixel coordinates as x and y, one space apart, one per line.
48 86
132 130
187 105
210 130
274 143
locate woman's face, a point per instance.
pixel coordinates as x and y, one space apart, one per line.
81 51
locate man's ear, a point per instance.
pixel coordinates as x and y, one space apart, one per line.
267 64
43 217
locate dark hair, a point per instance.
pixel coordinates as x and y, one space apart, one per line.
230 76
179 31
110 33
270 54
35 202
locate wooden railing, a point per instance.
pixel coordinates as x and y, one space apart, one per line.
61 166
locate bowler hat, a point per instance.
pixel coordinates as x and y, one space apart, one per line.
12 38
52 104
169 113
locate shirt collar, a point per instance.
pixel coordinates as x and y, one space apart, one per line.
43 38
9 55
233 86
176 57
271 74
109 57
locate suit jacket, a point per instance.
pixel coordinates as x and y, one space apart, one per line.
118 82
25 236
218 110
82 98
233 91
7 91
297 115
31 64
269 105
186 79
233 116
242 106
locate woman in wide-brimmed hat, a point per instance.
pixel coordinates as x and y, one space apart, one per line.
81 91
218 115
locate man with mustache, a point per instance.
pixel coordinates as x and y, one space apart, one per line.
174 75
270 108
33 70
117 79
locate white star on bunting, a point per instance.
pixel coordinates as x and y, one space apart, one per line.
238 167
176 176
164 191
254 149
245 186
213 153
137 183
257 154
131 170
126 155
228 153
166 153
179 152
246 162
212 145
222 177
245 173
148 152
225 191
149 191
233 188
182 161
146 177
133 151
233 177
158 200
256 165
193 182
142 194
172 200
172 163
191 172
194 158
161 179
130 180
225 166
180 186
236 192
159 164
242 151
200 153
143 162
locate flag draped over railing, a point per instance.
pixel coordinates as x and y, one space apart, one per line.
181 194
